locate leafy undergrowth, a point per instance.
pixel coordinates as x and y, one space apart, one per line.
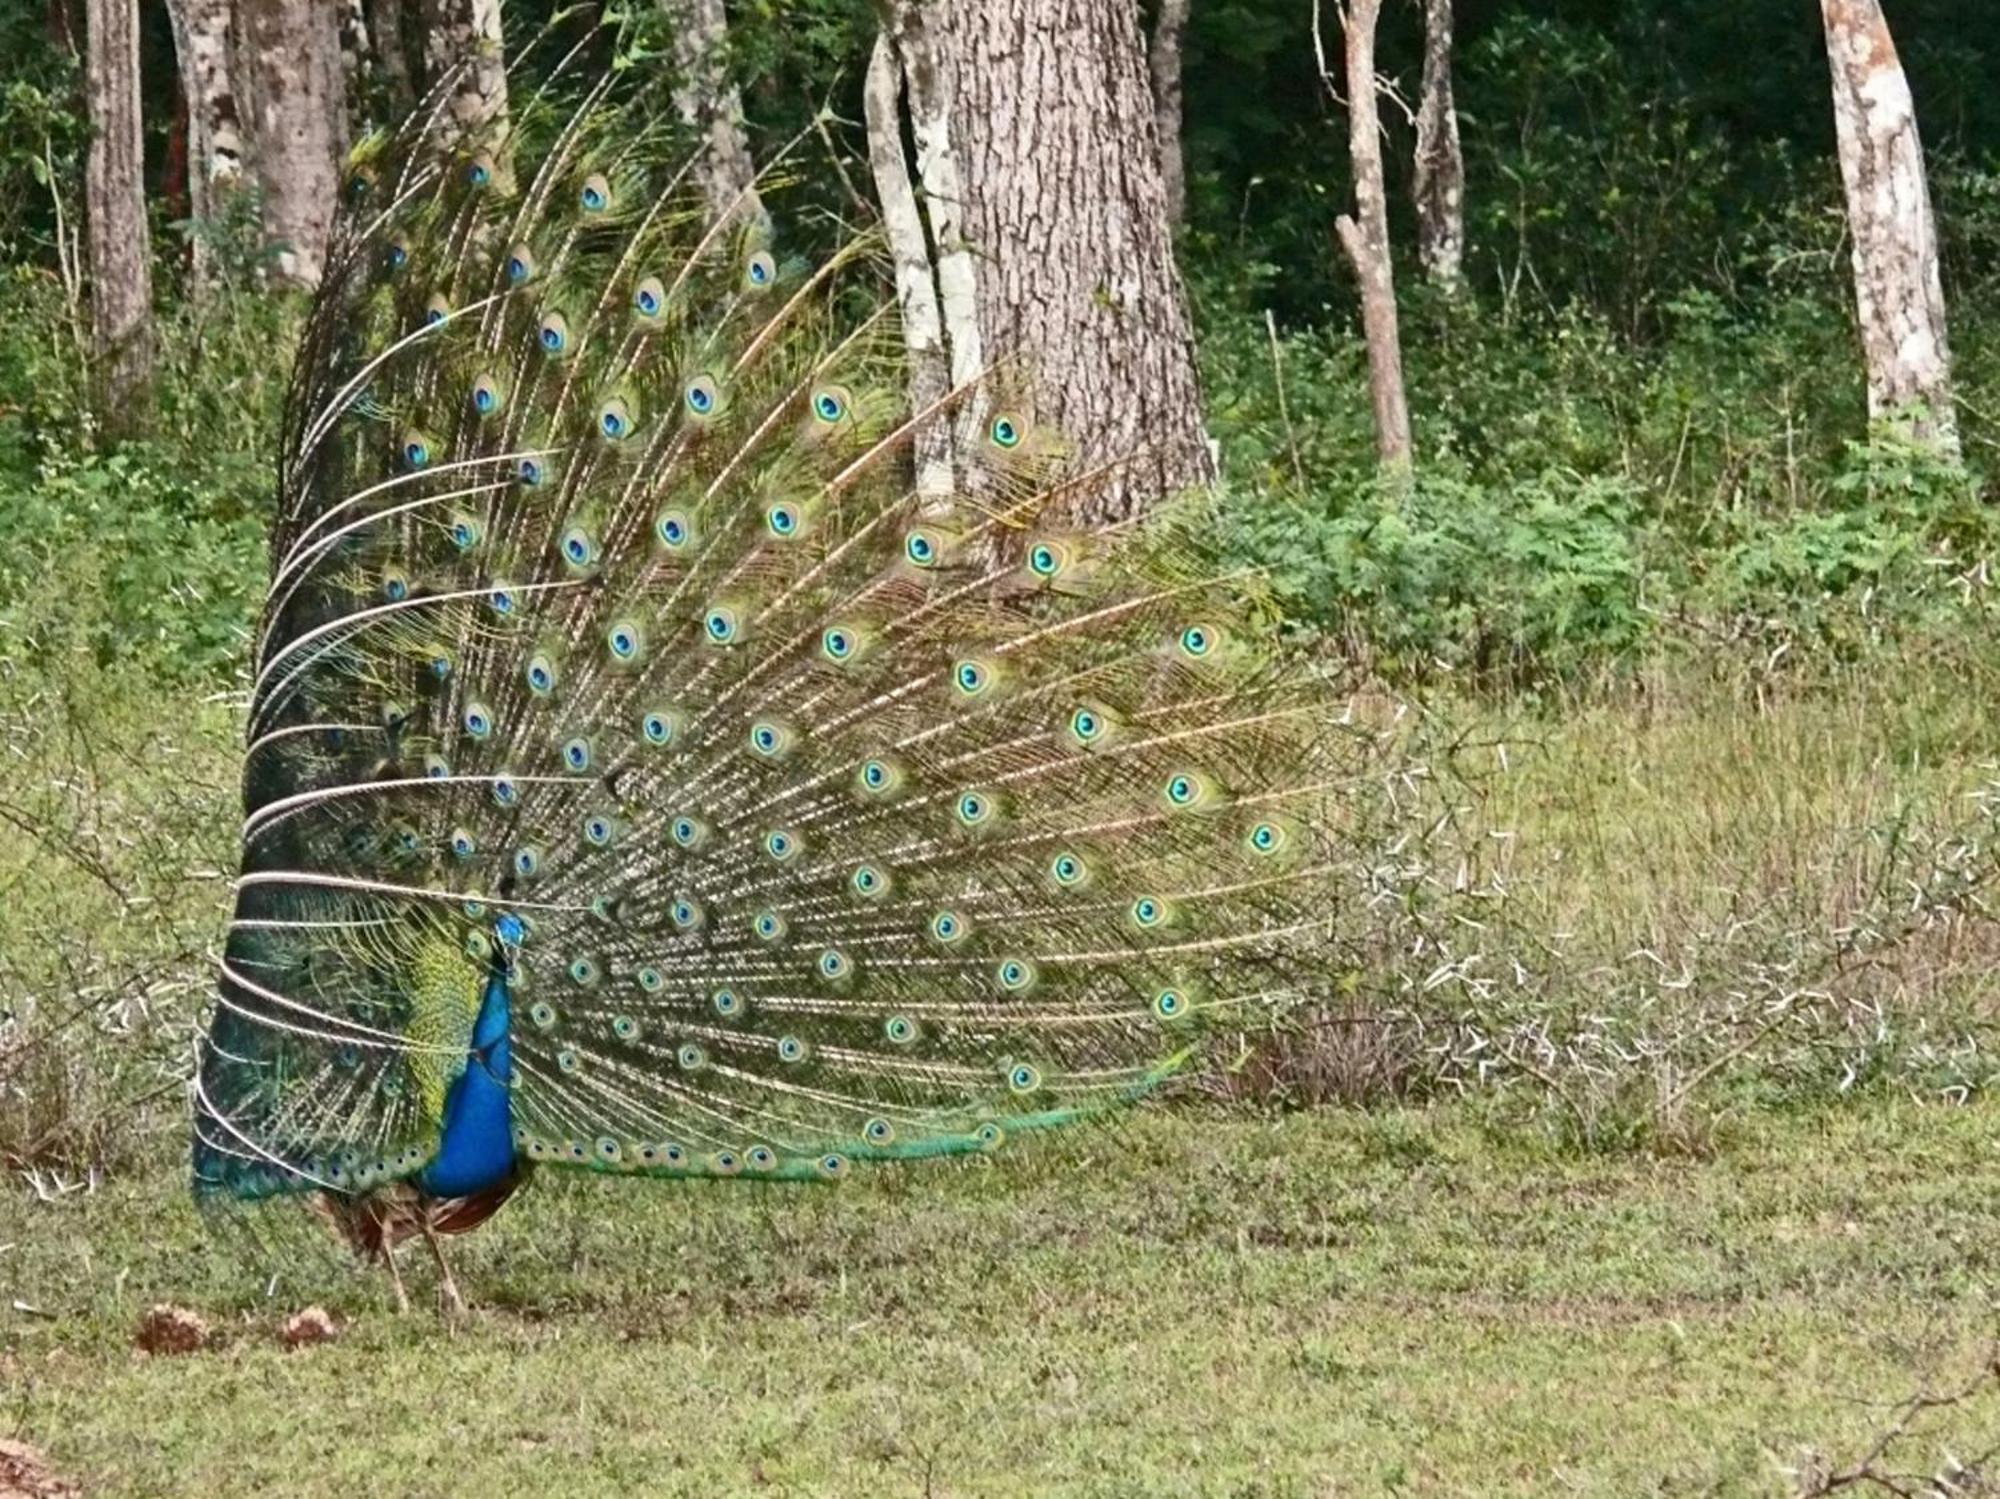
1405 1302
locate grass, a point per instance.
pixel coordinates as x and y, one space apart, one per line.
1673 1248
1324 1304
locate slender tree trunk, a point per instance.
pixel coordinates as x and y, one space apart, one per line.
292 76
392 55
206 54
1365 238
468 32
121 283
916 284
1440 164
354 63
1164 59
1049 244
1897 288
710 103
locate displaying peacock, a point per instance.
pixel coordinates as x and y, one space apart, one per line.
643 778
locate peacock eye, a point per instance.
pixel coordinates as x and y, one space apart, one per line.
649 297
761 270
479 171
703 394
520 265
623 640
529 473
830 403
486 395
1007 430
615 419
595 194
674 529
554 333
416 452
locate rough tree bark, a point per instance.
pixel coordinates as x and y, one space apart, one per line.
1365 236
205 50
1897 288
1049 246
385 34
1439 185
469 32
1164 60
121 283
292 79
709 103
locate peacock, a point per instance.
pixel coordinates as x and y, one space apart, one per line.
644 777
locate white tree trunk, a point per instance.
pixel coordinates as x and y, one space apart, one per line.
1365 237
1897 289
916 286
1164 60
120 251
466 35
292 78
205 51
1050 248
1439 185
709 103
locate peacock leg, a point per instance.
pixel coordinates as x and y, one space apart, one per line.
396 1280
454 1304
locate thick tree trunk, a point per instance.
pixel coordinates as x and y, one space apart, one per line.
121 283
206 54
1365 238
466 35
1050 248
1896 284
710 104
385 34
292 78
1164 60
1440 163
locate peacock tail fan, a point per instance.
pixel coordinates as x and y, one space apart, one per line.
609 648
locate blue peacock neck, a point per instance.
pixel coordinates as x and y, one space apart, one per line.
476 1150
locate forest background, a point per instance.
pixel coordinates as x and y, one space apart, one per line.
1669 613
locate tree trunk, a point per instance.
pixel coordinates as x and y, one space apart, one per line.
205 51
1365 238
1440 164
1164 59
392 54
916 284
1896 284
354 63
121 282
466 35
1050 249
710 104
292 68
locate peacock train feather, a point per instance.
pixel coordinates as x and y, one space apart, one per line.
642 777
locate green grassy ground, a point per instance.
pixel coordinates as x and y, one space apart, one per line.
1328 1304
